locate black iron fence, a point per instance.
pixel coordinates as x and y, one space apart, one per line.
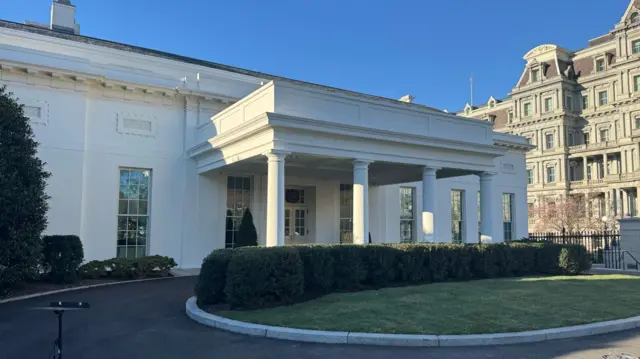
603 246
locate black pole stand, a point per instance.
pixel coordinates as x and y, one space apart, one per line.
59 340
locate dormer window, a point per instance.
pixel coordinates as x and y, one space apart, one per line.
633 18
492 119
535 75
599 65
510 116
467 111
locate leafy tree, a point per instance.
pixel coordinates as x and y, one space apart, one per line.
23 202
247 235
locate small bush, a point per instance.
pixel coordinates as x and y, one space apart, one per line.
264 276
213 277
318 265
574 259
62 255
123 268
246 236
524 258
93 270
547 256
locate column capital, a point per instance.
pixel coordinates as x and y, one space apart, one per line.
487 176
361 164
276 155
430 170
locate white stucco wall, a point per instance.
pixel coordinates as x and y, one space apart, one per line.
86 93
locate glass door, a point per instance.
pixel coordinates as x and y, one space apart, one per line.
295 225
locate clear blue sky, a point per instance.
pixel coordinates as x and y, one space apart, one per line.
389 48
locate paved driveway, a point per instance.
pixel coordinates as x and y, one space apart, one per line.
147 320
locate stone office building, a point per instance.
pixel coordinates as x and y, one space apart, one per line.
581 109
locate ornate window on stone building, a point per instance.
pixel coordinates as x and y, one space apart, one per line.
568 102
585 138
635 47
551 174
585 102
548 104
636 83
510 116
600 65
527 109
548 140
602 98
535 75
637 119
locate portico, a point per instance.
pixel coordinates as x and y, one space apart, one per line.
293 145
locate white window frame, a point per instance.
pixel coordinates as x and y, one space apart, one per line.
530 178
605 98
635 49
457 197
604 64
535 78
585 102
568 102
241 202
548 104
551 174
508 211
407 214
636 82
345 221
525 106
130 198
549 141
604 131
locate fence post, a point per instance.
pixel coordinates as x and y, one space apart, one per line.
564 236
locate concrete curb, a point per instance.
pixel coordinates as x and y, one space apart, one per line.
405 340
42 294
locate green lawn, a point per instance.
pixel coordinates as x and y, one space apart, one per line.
483 306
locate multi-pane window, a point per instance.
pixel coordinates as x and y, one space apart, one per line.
535 75
585 102
638 122
602 98
133 212
407 214
457 215
568 102
548 139
589 172
507 216
346 213
599 65
510 116
527 109
585 138
529 176
604 135
636 83
548 104
238 200
551 174
635 47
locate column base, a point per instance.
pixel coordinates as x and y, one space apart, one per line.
486 239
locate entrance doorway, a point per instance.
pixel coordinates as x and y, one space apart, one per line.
296 226
296 216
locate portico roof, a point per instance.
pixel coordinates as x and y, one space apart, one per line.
312 122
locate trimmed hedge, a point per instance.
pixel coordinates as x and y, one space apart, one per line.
260 276
257 277
62 255
122 268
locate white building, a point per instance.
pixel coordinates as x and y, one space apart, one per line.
155 153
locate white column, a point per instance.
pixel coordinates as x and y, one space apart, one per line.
486 196
584 165
624 203
429 204
275 198
360 202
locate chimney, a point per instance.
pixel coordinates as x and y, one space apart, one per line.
407 99
63 17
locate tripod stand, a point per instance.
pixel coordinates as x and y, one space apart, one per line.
58 309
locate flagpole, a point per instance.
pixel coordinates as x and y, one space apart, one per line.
471 85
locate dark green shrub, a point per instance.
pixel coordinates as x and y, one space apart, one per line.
93 270
152 266
438 262
381 263
349 269
524 258
413 263
246 236
264 276
120 268
213 277
547 256
504 260
23 202
318 265
574 259
62 255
